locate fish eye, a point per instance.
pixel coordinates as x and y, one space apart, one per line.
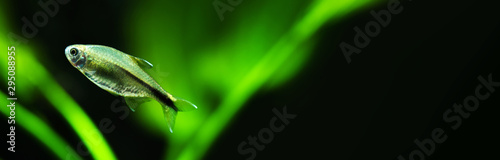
73 51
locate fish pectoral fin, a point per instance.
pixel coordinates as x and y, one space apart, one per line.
184 105
142 62
170 115
134 102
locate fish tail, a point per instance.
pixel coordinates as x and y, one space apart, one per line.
170 112
183 105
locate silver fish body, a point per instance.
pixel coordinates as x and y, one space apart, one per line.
122 74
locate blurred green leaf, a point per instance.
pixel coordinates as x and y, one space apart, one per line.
32 74
217 65
40 130
259 42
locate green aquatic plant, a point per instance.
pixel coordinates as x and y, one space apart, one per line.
31 74
259 45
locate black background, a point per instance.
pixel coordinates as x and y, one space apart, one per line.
395 91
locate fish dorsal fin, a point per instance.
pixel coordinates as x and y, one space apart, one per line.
134 102
142 62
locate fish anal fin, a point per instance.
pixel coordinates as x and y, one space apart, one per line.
184 105
134 102
142 62
170 115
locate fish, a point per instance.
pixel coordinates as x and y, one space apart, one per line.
123 75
